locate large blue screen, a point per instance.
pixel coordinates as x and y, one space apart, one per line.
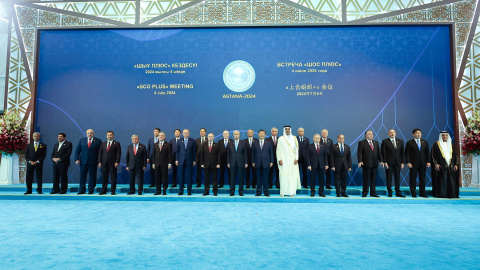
344 79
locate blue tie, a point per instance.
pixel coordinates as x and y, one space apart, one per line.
226 141
419 146
236 146
341 149
186 142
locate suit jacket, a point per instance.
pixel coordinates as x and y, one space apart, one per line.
317 160
173 148
249 149
262 157
186 155
111 157
31 155
336 159
365 154
222 151
64 153
138 161
303 147
151 143
198 145
328 145
238 157
161 158
207 159
390 155
418 158
270 139
88 156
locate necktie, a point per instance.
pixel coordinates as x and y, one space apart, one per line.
186 142
209 147
261 145
226 141
341 149
108 147
202 140
318 149
274 140
176 141
161 144
36 146
301 139
236 145
371 145
250 141
394 144
418 143
59 146
156 139
135 149
89 142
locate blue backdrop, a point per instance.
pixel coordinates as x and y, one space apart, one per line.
344 79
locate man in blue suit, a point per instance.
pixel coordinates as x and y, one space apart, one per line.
262 161
185 160
86 156
237 162
173 150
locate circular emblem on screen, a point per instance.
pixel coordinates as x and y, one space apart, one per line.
239 76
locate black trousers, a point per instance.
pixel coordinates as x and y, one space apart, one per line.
174 173
234 170
302 164
161 178
321 180
421 171
106 171
199 174
211 177
223 167
369 178
136 174
38 170
328 177
340 175
60 178
393 170
274 169
251 170
92 177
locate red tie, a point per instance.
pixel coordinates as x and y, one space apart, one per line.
318 149
371 145
135 149
89 142
108 147
210 148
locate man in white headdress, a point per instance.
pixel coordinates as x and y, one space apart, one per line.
444 159
287 158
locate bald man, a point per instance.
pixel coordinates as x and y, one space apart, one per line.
86 155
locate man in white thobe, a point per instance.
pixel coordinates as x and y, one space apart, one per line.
287 157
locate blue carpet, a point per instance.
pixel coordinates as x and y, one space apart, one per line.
85 234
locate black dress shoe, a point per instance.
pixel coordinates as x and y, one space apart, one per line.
180 194
102 193
54 192
174 186
214 194
424 196
205 194
240 193
198 185
267 195
400 195
375 195
305 186
364 195
189 193
164 192
339 196
247 187
414 196
221 186
90 192
312 195
232 194
63 192
151 186
270 186
26 193
253 186
256 195
157 193
329 187
389 195
80 193
113 192
139 193
39 192
278 187
345 195
321 195
130 193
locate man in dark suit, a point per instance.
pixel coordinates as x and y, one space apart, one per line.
61 160
173 150
35 153
317 162
250 169
262 161
222 155
328 143
393 156
186 156
368 158
150 148
274 169
198 145
136 164
161 162
237 162
86 155
340 163
209 161
303 143
108 160
417 156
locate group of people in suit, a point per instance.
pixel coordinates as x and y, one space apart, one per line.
251 159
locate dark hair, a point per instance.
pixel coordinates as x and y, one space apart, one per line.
261 131
415 130
203 129
368 131
157 129
63 134
178 130
110 132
